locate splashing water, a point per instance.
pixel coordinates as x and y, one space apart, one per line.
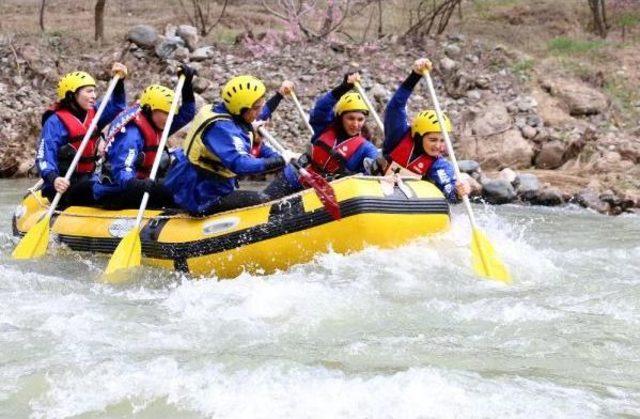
407 332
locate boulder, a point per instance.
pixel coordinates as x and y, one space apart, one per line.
468 166
189 35
498 192
452 51
580 98
495 152
202 54
476 187
550 109
181 54
447 65
144 36
528 131
589 198
548 197
166 47
550 156
508 175
527 186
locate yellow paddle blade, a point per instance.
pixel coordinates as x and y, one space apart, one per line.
485 262
34 243
127 255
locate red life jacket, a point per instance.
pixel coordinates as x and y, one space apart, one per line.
403 152
77 130
327 156
151 138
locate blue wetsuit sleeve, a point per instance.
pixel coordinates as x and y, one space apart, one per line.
322 115
123 155
270 107
396 122
443 176
266 151
356 162
185 115
116 104
232 150
54 136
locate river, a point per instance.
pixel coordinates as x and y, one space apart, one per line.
401 333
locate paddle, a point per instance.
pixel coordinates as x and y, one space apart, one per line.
485 262
129 252
323 189
301 112
369 105
34 243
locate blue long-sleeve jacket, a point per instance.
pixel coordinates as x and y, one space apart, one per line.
55 135
396 126
321 118
123 153
197 191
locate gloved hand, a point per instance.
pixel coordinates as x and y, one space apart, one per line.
290 156
351 78
375 167
145 185
259 123
422 66
187 71
286 88
119 68
187 88
347 84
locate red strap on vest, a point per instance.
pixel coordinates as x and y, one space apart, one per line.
402 153
255 149
77 130
324 161
151 138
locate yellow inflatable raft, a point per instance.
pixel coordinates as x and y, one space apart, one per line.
259 239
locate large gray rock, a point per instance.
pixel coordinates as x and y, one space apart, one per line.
202 53
548 197
452 50
580 98
498 192
447 65
144 36
527 186
468 166
190 36
167 46
589 198
550 156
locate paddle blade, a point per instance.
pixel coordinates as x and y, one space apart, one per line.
34 243
126 256
485 262
324 190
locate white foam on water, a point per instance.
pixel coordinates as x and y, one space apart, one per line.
284 389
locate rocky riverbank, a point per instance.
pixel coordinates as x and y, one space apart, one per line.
543 139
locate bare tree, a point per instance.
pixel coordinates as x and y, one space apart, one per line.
300 15
99 20
41 19
200 14
598 10
435 18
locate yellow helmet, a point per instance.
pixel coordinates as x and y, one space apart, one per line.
241 92
157 97
71 82
427 121
350 102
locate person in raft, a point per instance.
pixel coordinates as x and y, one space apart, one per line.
340 145
218 147
419 147
132 145
64 125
